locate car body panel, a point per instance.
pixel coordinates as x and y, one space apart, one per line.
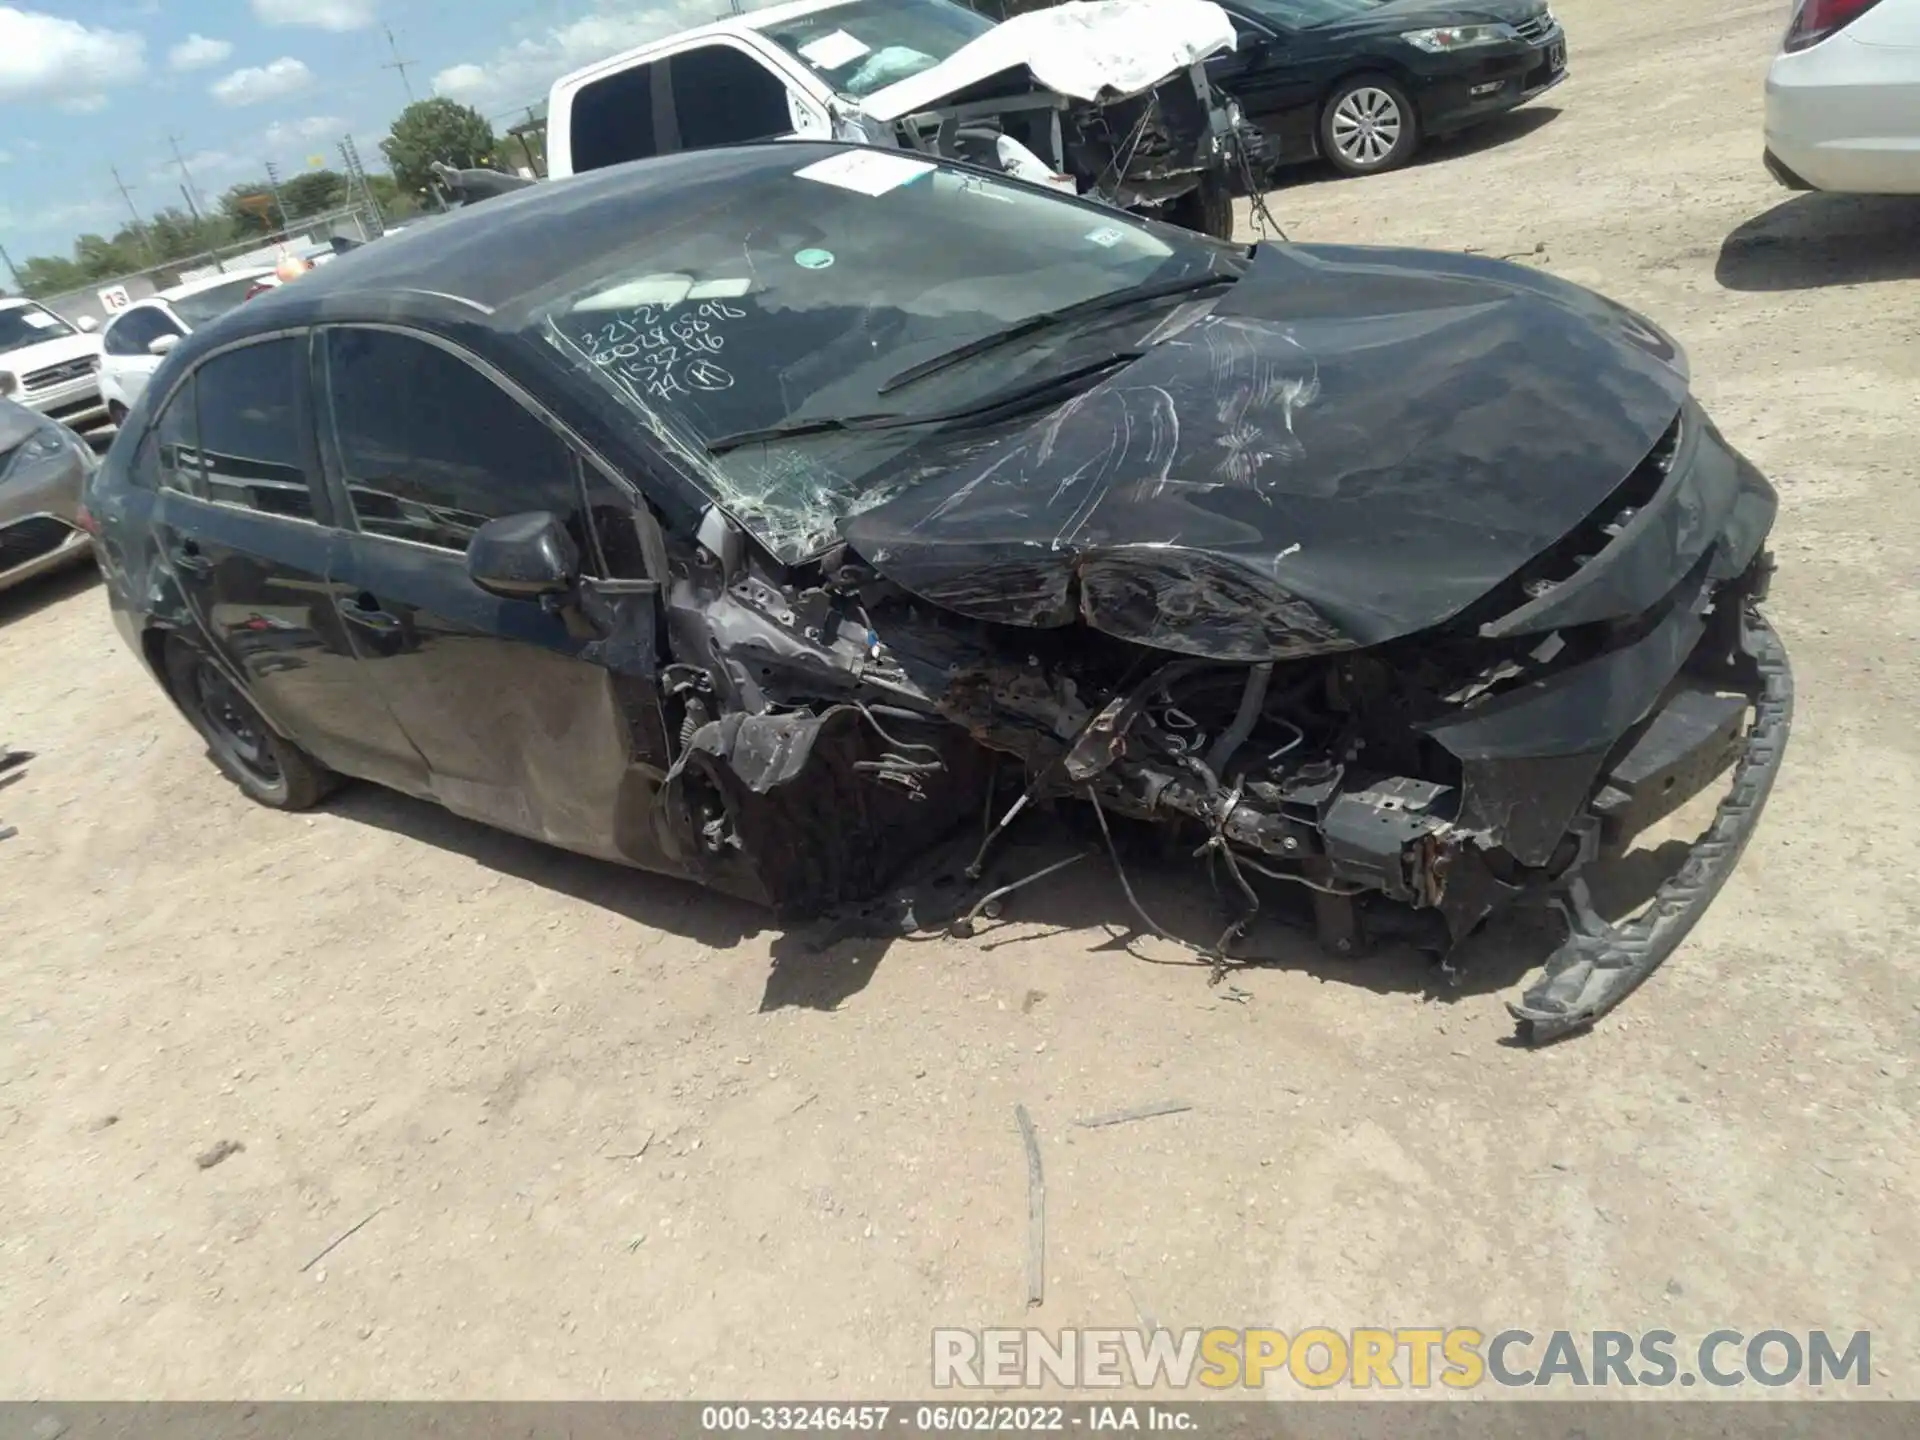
40 496
1250 491
1844 114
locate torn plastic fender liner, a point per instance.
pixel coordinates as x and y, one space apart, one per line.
818 808
1600 964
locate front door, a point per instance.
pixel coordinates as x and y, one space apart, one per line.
1270 73
241 515
529 716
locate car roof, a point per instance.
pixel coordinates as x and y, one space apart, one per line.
210 282
488 255
725 25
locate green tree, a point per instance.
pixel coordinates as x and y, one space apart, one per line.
437 129
314 192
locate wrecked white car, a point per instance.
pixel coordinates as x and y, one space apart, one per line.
1106 99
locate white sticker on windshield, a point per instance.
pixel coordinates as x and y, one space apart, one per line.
867 172
830 52
39 319
1106 236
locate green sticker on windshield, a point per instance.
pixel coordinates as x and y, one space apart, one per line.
811 259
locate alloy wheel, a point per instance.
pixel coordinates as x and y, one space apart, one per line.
1366 126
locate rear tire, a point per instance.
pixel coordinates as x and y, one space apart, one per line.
1368 126
268 769
1206 209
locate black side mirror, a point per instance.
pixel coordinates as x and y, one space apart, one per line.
523 557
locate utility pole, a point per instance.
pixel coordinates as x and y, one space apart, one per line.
186 177
393 48
139 225
12 273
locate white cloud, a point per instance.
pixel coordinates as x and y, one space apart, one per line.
283 134
196 52
84 104
520 74
48 57
262 82
319 14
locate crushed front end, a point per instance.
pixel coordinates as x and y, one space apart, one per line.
1425 783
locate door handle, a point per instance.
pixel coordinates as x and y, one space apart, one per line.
364 610
187 556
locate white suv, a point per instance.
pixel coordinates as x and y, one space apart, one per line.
50 366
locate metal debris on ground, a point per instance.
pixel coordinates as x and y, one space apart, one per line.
1143 1112
645 1141
340 1239
1036 1211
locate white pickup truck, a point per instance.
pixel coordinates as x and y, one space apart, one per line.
1107 99
49 365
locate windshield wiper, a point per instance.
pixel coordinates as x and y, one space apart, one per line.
1008 400
1046 319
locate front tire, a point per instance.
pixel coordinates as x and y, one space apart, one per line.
1368 125
1207 209
268 769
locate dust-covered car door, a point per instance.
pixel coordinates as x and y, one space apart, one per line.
540 716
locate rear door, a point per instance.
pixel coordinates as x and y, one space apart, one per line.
522 722
243 523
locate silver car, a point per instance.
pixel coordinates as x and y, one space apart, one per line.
42 467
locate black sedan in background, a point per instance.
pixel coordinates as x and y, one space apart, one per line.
1362 84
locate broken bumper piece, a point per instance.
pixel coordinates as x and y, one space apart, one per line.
1600 963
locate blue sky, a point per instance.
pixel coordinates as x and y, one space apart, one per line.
88 85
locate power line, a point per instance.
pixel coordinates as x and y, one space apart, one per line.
397 63
139 225
186 176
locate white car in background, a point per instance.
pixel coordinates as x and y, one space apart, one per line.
1843 98
49 365
139 337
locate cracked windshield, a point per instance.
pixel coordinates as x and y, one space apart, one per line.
797 340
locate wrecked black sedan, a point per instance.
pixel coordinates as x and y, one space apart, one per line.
741 514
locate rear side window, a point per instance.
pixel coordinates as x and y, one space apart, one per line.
134 331
170 455
252 449
431 449
612 120
723 96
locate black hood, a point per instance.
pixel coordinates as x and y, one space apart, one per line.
1353 445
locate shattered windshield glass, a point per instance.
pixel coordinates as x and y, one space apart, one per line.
799 295
870 44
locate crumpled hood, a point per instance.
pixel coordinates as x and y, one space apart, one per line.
1353 445
1085 49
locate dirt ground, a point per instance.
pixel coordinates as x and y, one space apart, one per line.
470 1038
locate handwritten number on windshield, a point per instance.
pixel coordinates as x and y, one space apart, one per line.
664 350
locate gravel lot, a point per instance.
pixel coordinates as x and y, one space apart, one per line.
470 1038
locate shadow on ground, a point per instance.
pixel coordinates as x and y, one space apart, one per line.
1488 135
819 964
30 597
1815 241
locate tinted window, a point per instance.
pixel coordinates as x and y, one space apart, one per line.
252 452
723 96
613 120
431 449
134 331
174 441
